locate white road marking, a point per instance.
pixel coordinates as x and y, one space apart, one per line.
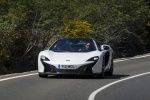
136 57
17 77
92 95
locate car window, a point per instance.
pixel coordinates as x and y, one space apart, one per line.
73 45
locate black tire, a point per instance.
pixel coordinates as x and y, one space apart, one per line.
43 75
110 72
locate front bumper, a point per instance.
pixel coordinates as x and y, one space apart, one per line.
82 70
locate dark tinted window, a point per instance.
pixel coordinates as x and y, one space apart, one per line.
73 45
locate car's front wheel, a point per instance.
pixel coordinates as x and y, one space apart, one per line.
43 75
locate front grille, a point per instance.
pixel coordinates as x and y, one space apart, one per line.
87 69
49 68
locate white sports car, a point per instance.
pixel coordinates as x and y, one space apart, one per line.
76 56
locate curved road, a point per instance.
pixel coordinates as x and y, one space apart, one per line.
31 87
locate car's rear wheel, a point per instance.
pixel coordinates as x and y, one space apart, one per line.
43 75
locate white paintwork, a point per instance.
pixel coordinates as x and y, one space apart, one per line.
75 58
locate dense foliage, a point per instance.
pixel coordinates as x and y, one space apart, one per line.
75 28
27 26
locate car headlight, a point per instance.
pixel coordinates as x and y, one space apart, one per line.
43 58
96 58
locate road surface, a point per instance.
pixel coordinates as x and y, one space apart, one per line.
28 86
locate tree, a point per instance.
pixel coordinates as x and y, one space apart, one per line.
78 29
26 26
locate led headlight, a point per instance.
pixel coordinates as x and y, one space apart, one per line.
96 58
43 58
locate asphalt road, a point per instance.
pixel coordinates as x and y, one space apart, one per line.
80 88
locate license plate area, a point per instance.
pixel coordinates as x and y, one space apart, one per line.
67 66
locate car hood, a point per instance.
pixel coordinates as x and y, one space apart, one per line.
69 56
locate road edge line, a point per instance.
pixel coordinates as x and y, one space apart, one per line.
17 77
93 94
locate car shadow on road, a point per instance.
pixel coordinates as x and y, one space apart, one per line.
71 77
115 76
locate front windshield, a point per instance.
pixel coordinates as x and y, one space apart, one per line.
73 45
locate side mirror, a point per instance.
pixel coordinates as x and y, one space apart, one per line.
105 47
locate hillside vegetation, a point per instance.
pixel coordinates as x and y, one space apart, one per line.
28 26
